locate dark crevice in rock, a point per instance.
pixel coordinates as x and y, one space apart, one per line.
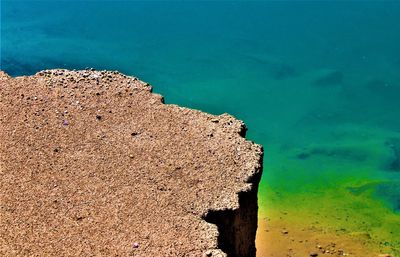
243 131
237 228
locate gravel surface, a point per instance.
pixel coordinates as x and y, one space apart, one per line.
94 164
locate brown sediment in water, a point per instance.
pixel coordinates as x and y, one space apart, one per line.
92 163
281 237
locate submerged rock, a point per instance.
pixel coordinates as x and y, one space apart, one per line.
338 152
331 78
283 71
383 89
141 178
394 146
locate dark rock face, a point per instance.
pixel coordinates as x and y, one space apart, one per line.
237 228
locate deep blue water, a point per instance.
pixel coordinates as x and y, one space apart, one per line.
316 82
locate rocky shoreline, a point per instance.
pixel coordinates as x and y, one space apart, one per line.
93 163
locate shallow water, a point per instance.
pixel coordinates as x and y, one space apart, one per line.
317 83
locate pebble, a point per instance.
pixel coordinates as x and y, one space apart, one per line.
313 254
135 245
65 123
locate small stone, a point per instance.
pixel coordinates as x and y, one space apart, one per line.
65 123
214 253
313 254
135 245
98 117
131 156
285 232
385 255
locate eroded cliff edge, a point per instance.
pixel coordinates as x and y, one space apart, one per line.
92 163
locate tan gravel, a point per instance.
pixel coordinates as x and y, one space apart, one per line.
94 164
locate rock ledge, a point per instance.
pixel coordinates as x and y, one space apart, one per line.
93 163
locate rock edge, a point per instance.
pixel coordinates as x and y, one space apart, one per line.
94 163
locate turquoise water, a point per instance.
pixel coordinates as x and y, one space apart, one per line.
317 83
